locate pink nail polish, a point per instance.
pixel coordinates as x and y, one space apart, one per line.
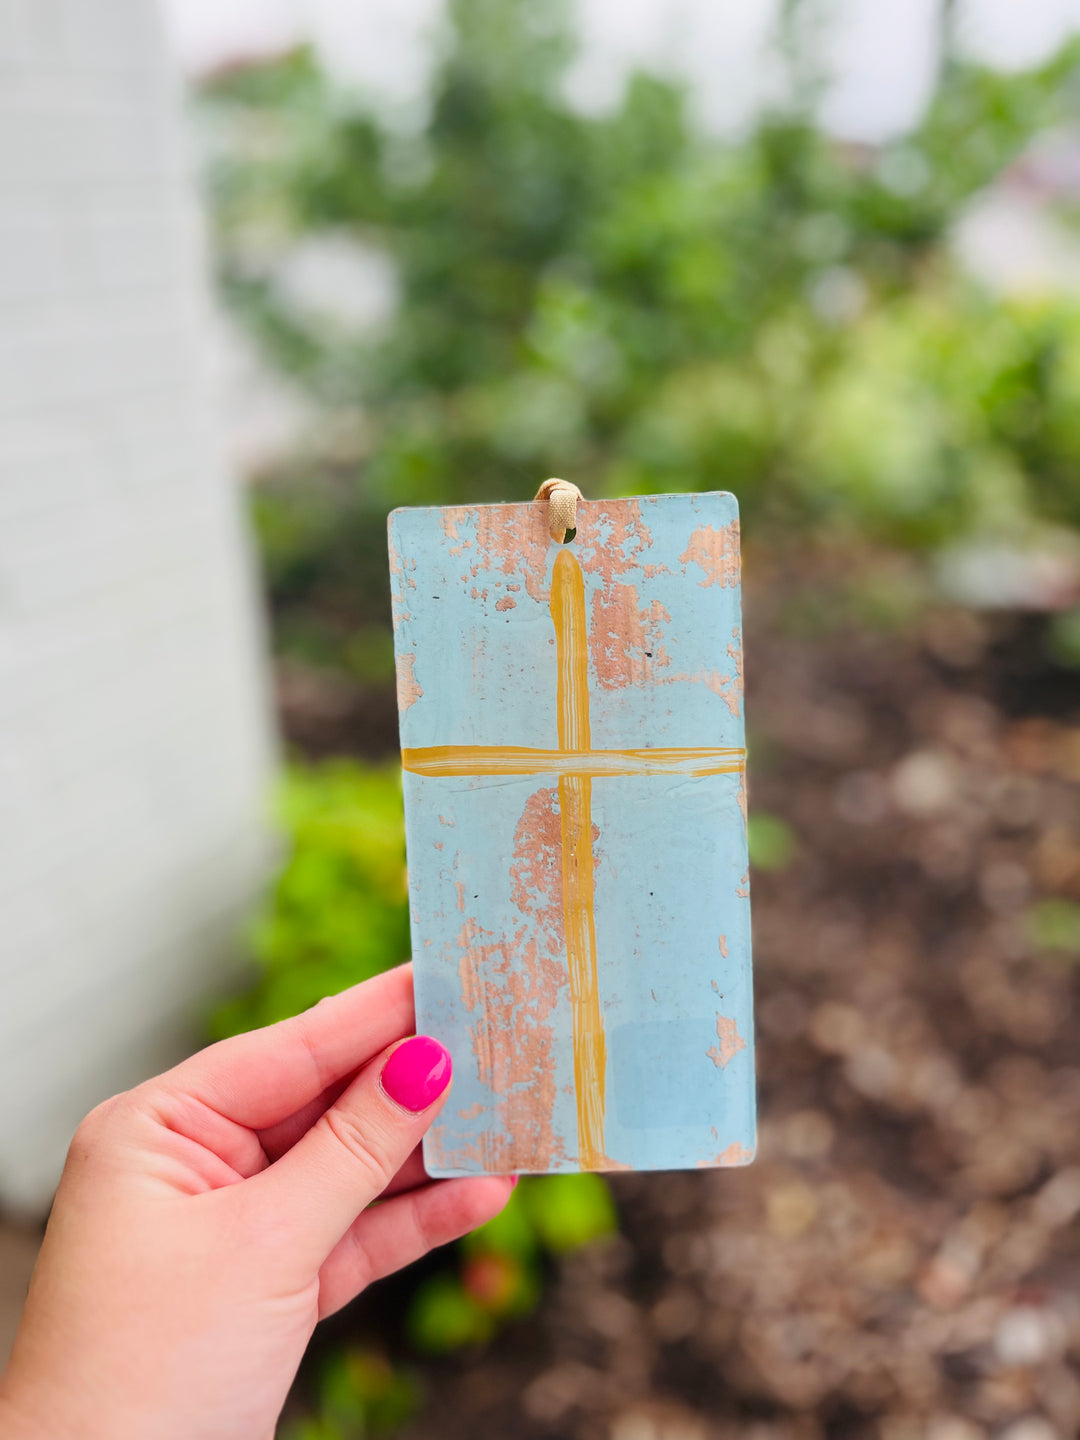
417 1073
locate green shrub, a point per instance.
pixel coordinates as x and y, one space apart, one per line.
626 300
503 1263
360 1395
338 913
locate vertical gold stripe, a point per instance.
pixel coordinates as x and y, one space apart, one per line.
572 649
590 1052
575 806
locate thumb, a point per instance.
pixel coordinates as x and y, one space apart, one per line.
316 1190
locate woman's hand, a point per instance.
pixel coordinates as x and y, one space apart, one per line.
206 1220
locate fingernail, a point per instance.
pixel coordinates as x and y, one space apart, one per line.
417 1073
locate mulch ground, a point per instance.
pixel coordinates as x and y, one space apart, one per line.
903 1259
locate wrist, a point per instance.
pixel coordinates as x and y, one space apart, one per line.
15 1421
31 1412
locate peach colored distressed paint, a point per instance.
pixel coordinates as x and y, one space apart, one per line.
408 688
516 1001
730 1158
501 541
715 551
730 1042
722 685
625 641
612 538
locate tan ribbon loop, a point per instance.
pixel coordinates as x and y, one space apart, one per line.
562 501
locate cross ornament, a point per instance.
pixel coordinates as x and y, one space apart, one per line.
576 764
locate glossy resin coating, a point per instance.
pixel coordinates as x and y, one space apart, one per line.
575 805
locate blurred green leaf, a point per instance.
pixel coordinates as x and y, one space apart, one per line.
500 1276
502 1284
1055 925
312 1428
360 1396
569 1210
512 1232
444 1317
772 841
1063 638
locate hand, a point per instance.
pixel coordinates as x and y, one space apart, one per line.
208 1219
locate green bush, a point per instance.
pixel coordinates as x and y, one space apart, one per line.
625 300
501 1274
360 1395
338 913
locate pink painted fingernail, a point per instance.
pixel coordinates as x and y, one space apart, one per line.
417 1073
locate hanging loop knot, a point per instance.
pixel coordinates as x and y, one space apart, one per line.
562 499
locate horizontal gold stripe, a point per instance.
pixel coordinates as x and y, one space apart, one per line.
520 760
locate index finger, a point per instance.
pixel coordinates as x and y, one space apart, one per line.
265 1076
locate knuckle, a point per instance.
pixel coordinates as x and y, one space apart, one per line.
96 1129
363 1266
306 1038
427 1236
365 1147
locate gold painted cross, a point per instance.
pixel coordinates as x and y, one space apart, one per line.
576 764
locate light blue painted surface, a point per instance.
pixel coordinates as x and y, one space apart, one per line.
670 852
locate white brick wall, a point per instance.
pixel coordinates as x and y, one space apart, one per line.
135 746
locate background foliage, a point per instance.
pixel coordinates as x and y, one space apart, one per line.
625 300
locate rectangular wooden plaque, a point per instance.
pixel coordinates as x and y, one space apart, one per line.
575 804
